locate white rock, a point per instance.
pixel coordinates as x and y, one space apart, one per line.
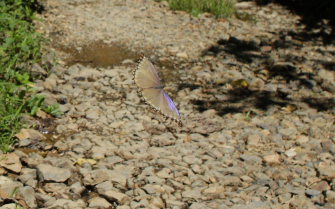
291 152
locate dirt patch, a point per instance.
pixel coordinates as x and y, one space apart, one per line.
97 54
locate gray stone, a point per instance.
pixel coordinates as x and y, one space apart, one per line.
312 192
48 172
113 195
51 82
57 188
190 159
123 207
77 188
164 173
320 186
98 202
213 190
28 177
68 204
104 186
9 206
45 199
326 171
118 177
330 197
27 193
251 158
11 162
8 186
107 190
197 206
157 202
253 139
93 114
95 177
153 189
192 194
272 159
254 205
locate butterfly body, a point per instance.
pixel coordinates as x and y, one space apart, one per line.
152 90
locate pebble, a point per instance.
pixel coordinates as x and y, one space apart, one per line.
326 171
28 176
320 186
48 172
164 173
192 194
291 152
272 159
77 188
98 202
214 190
253 139
11 162
8 186
115 196
27 193
312 192
330 196
182 55
67 204
50 83
9 206
30 134
157 202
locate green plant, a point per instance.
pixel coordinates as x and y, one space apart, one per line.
20 48
247 116
34 104
53 110
11 105
220 8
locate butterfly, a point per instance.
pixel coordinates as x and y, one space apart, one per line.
152 90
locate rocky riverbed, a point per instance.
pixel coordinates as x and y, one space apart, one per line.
256 98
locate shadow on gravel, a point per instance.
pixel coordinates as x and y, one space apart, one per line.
243 51
327 65
251 52
287 71
317 16
321 104
243 100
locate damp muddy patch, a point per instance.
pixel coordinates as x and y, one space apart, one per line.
97 54
101 54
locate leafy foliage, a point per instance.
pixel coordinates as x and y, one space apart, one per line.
220 8
20 47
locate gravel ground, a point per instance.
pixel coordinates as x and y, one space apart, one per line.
256 99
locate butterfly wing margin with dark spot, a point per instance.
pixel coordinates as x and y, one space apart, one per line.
146 75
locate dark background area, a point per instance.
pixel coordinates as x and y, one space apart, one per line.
312 13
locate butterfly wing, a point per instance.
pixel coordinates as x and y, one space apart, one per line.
161 101
146 75
168 107
147 79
